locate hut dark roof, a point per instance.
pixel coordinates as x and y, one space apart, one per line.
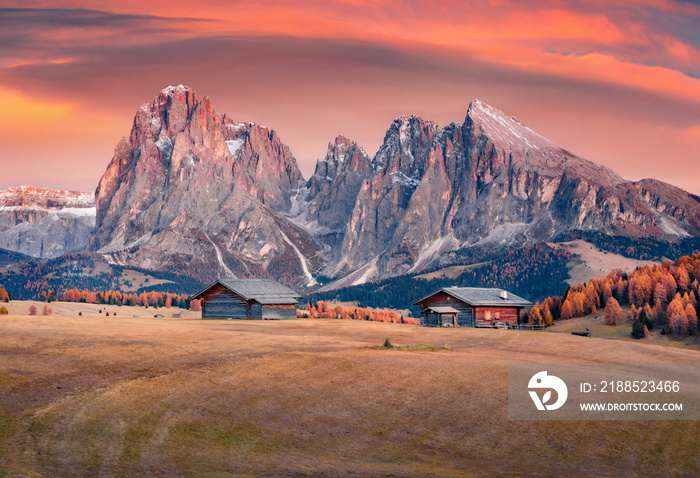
477 296
263 291
444 310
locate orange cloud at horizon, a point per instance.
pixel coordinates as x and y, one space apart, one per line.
322 68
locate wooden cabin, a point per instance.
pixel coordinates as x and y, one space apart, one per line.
472 306
248 299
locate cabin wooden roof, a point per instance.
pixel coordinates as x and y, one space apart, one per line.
263 291
444 310
482 297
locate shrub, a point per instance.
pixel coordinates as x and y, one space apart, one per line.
195 305
388 344
32 310
3 310
46 310
80 313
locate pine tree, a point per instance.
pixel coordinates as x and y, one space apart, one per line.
566 310
638 329
613 312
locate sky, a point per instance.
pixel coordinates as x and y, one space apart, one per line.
617 82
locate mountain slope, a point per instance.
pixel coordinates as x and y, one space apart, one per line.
45 223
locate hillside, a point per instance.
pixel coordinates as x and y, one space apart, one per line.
533 272
179 397
588 261
87 271
661 296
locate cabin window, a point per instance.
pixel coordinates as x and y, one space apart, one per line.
498 315
487 315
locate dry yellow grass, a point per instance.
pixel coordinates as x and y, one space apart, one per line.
451 272
137 280
125 396
592 262
70 309
596 324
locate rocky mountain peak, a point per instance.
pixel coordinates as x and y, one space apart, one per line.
188 175
348 155
511 142
405 148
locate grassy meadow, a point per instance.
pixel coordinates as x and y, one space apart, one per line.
142 396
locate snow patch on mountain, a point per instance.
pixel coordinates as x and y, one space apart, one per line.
304 263
79 211
164 143
405 137
235 145
171 90
67 211
507 130
401 178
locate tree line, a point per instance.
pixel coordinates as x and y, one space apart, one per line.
321 310
113 297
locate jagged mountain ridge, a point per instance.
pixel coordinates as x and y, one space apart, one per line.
191 186
45 223
195 192
489 179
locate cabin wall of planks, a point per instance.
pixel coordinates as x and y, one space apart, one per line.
498 314
438 320
279 311
221 303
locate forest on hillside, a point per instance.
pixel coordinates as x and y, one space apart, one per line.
642 248
533 272
82 271
662 297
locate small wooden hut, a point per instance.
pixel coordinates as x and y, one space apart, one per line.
470 307
441 316
248 299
